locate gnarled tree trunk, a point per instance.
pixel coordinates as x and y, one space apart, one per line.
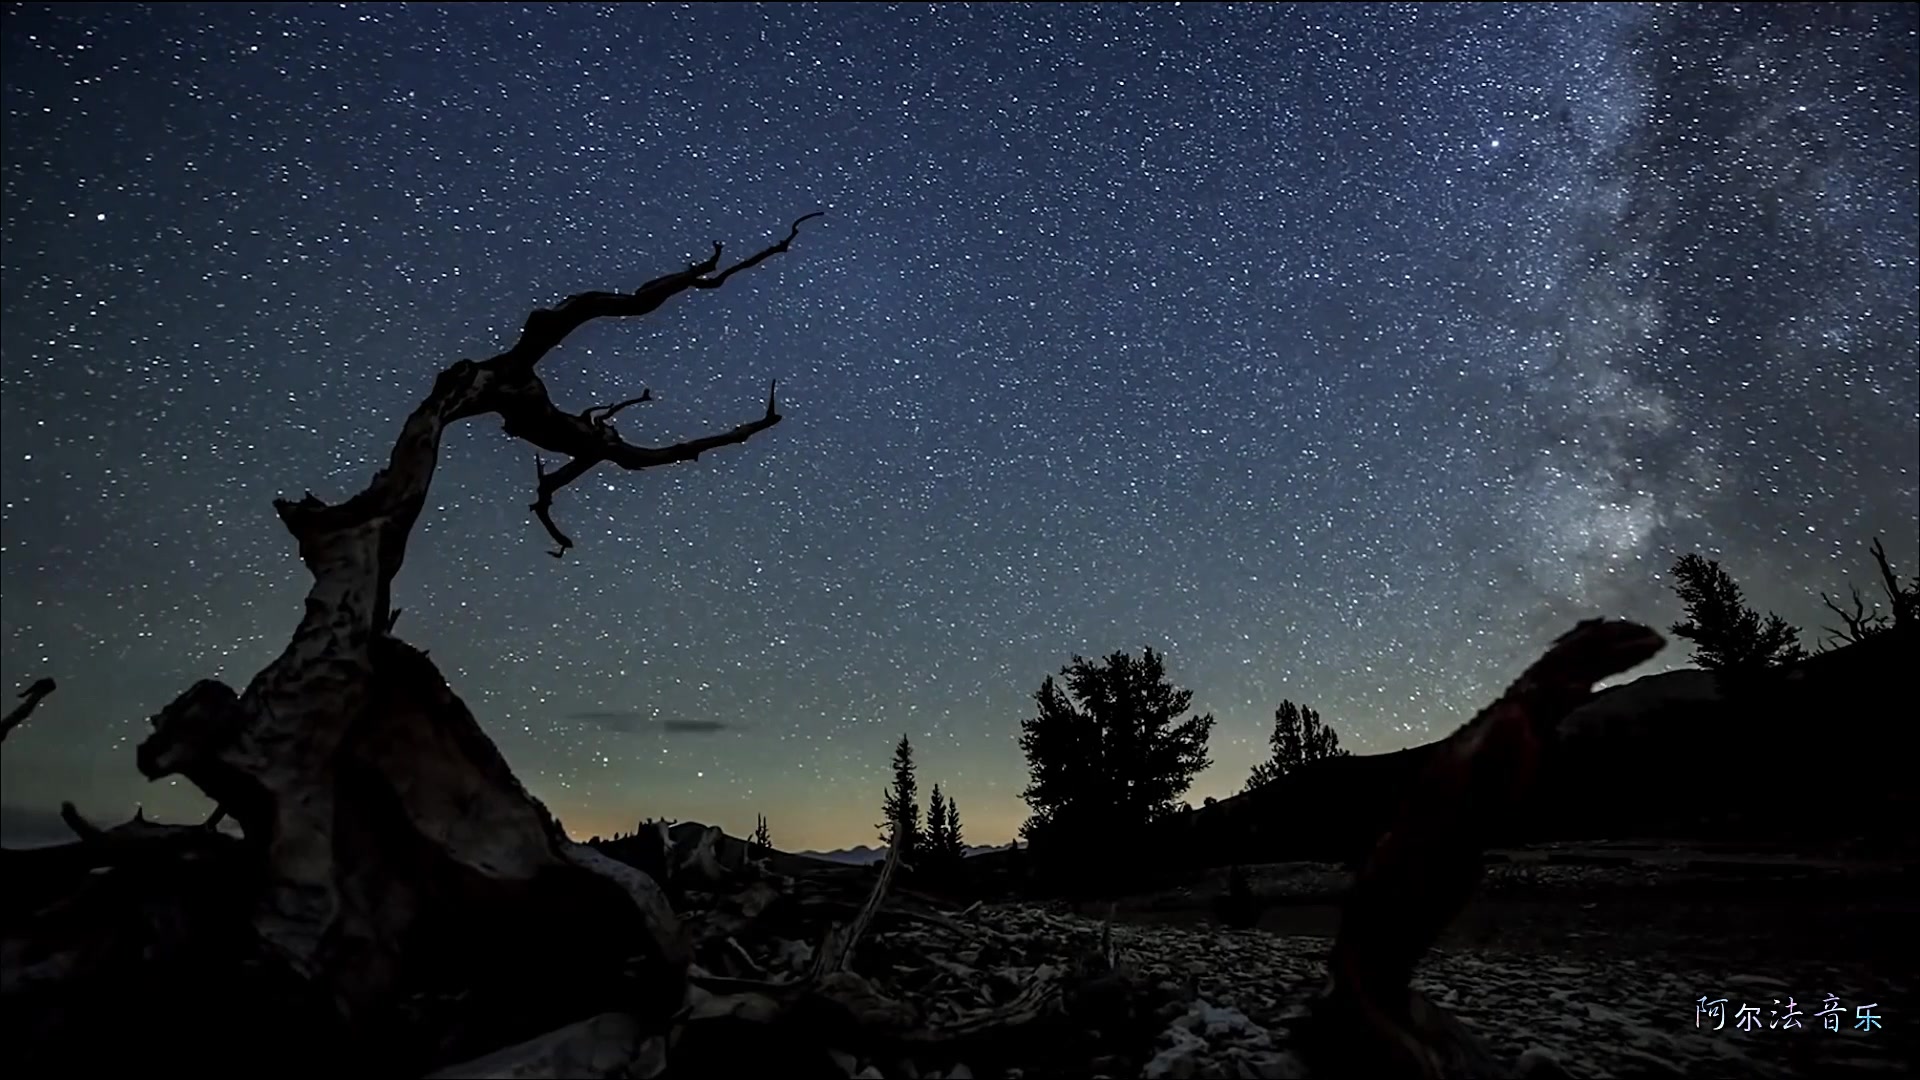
390 862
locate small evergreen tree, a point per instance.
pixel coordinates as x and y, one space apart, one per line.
761 837
901 808
936 834
1298 737
1728 635
956 841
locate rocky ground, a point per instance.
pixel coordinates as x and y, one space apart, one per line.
1594 961
1588 968
1597 1019
1213 1002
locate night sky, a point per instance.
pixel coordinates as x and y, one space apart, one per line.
1346 354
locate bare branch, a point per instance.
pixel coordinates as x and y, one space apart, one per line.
611 448
549 482
1888 580
756 259
606 412
1904 599
548 327
30 699
508 385
1859 624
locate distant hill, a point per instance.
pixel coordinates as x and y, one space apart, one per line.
1809 754
1806 753
732 851
634 850
864 855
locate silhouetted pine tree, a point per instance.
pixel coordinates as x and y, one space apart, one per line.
1728 635
1298 737
902 805
937 848
1117 760
956 841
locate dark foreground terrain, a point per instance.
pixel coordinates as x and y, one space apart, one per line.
474 938
1599 954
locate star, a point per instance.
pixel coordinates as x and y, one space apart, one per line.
1221 329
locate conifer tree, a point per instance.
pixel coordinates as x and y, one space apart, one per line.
956 841
937 847
1298 737
901 808
1109 753
1728 635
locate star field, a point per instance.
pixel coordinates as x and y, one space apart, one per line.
1346 353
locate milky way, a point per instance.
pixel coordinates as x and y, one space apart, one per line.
1345 353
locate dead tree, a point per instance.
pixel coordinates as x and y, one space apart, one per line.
390 852
1860 623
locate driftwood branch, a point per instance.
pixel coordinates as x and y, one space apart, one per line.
30 700
836 952
139 838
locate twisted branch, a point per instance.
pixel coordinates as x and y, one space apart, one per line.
606 412
30 700
508 385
